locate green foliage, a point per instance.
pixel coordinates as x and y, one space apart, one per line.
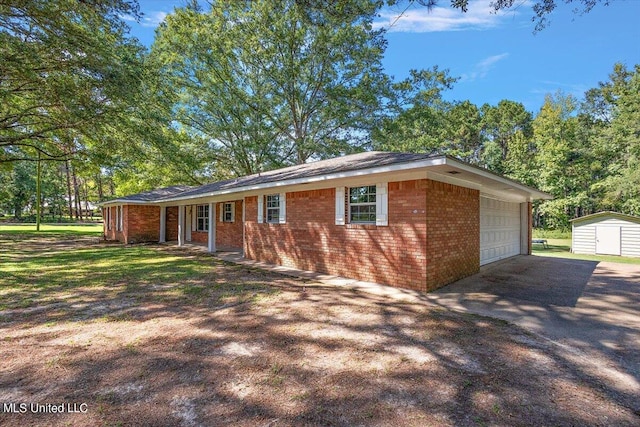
69 76
268 83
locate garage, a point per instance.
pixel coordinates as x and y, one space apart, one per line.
499 229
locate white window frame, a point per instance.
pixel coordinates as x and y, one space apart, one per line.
228 212
202 217
343 199
369 196
119 215
108 218
272 206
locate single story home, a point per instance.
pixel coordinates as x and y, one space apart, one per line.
414 221
606 233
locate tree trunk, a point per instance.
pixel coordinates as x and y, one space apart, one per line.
76 192
99 182
69 200
38 192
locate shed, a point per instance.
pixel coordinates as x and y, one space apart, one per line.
606 233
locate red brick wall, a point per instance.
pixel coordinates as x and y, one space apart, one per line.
453 243
172 224
142 223
229 234
310 240
200 237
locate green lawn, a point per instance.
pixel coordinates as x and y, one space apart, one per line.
67 263
52 229
561 248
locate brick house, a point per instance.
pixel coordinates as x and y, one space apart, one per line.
414 221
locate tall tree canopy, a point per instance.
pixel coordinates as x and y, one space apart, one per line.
270 82
68 75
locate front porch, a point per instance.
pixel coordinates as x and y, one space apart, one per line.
212 226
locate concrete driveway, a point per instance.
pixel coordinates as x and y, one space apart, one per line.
591 310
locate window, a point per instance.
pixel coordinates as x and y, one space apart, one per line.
118 218
202 218
273 208
107 218
227 212
362 204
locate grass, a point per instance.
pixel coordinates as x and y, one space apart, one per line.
51 230
539 233
38 269
561 248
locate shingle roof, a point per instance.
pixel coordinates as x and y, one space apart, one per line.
331 167
155 195
336 165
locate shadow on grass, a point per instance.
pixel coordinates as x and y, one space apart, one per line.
80 279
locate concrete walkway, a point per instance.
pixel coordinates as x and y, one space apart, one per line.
328 279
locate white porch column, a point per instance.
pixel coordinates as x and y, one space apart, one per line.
180 225
244 235
188 221
212 228
163 224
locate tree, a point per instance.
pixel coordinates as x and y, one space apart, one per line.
418 120
66 67
559 166
502 126
267 83
620 141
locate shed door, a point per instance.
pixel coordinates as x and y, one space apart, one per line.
607 240
499 230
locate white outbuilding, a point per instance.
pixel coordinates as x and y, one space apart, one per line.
606 233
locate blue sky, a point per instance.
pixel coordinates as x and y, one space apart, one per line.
496 56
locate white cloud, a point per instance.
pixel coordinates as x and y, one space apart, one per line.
419 19
153 18
482 68
150 19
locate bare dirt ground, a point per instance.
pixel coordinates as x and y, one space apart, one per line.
282 353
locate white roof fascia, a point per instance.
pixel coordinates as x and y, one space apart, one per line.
536 194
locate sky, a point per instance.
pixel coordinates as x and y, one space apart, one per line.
495 56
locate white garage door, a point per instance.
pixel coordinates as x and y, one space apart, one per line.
499 230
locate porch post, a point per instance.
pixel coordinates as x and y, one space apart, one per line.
244 233
163 224
212 228
188 220
180 225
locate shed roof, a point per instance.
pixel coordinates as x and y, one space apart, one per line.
607 214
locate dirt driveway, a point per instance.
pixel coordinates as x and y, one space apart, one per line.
590 310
